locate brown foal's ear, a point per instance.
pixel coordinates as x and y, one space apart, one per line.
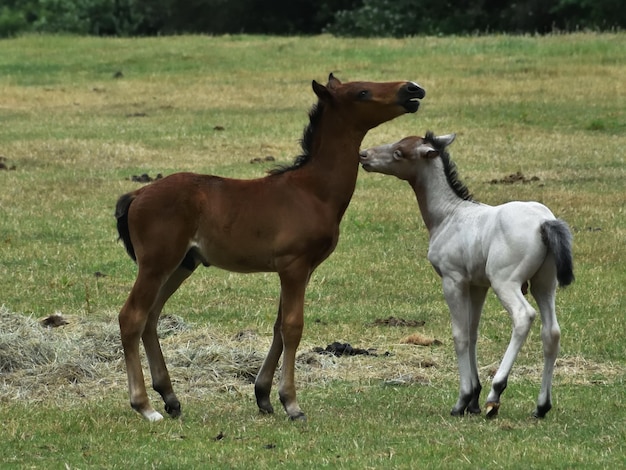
332 81
321 91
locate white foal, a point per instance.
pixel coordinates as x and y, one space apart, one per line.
473 246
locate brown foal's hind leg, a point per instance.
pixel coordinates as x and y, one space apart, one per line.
158 370
133 319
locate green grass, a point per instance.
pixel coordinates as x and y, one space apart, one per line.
552 107
355 426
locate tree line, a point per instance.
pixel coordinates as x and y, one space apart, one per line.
359 18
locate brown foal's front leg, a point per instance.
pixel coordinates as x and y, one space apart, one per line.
293 286
287 334
263 382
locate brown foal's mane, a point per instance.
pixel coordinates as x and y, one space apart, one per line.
306 142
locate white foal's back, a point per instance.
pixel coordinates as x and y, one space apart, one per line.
478 241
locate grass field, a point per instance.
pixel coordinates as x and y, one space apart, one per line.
80 116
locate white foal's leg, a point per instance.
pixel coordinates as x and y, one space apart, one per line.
477 299
458 299
543 290
522 314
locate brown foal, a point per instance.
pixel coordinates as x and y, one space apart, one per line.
286 222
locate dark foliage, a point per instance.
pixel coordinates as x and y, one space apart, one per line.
301 17
421 17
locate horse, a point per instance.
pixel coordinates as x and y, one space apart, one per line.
285 222
474 246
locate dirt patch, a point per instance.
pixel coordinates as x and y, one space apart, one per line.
344 349
269 158
145 178
393 321
5 164
54 321
517 177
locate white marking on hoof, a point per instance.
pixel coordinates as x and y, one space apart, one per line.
152 415
491 410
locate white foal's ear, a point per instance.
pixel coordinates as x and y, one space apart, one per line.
444 140
426 151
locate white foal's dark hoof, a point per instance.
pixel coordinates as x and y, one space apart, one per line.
541 411
491 409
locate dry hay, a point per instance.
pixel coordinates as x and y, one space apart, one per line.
84 359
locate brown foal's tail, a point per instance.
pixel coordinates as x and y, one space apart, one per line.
558 237
121 214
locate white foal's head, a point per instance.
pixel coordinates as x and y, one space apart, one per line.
404 158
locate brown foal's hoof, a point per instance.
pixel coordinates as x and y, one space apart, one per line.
173 409
299 417
266 410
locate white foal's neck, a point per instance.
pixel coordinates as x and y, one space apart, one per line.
437 200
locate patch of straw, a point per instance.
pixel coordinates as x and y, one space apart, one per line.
84 359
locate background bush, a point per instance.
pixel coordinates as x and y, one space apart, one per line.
302 17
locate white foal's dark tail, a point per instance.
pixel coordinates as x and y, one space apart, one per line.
558 238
